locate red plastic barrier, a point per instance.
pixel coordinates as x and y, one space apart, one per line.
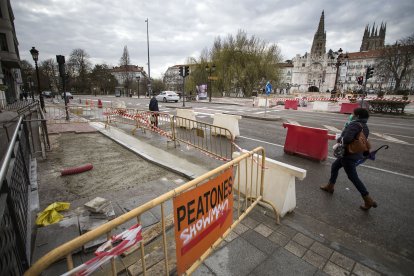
79 169
348 108
307 141
291 104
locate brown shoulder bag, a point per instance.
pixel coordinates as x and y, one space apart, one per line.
360 144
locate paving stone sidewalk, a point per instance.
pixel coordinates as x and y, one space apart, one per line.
258 246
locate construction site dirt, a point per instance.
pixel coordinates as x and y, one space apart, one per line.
115 169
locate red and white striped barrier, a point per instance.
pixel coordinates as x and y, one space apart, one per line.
106 252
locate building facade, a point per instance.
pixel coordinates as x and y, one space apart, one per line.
128 75
314 71
10 76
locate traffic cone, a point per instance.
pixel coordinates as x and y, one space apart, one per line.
99 103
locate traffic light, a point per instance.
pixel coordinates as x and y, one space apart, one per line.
370 72
360 80
187 71
181 71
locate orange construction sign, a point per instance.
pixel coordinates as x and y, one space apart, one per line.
201 216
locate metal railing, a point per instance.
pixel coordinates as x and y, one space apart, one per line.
36 126
245 203
14 212
213 140
77 114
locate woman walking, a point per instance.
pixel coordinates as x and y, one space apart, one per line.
350 160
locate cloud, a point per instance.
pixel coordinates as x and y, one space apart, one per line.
179 29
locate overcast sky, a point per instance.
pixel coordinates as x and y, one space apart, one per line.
180 29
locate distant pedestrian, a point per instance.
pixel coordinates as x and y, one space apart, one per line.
21 96
25 95
350 160
153 107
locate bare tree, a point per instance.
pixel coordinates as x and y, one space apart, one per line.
79 67
126 75
49 72
28 75
397 60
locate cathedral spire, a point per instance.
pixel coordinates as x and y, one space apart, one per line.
319 40
321 26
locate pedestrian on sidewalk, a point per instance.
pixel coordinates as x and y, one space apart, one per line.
153 107
350 160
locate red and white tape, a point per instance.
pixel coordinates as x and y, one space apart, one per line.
106 252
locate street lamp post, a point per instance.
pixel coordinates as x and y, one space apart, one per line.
210 70
149 67
340 60
35 56
138 78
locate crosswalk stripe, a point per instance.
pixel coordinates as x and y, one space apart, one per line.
389 138
334 129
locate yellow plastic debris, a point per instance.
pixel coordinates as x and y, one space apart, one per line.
50 215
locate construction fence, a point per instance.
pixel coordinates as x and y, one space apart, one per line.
214 141
195 218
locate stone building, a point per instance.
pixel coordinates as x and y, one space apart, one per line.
314 71
373 40
129 75
10 77
317 70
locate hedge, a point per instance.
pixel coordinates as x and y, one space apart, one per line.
387 106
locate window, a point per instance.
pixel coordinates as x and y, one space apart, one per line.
3 42
303 64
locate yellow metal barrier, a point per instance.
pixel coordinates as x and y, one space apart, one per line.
245 203
213 140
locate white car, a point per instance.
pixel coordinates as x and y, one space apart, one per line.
168 96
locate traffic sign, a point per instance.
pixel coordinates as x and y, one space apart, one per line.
268 88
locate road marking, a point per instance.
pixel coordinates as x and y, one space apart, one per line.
201 113
389 138
293 122
333 158
261 141
331 128
409 137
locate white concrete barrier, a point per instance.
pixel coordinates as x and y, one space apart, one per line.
118 104
322 106
187 114
262 102
279 182
231 122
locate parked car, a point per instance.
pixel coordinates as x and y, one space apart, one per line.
68 95
47 94
168 96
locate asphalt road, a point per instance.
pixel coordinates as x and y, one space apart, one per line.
389 178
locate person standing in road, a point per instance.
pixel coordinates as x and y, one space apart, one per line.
349 160
153 106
